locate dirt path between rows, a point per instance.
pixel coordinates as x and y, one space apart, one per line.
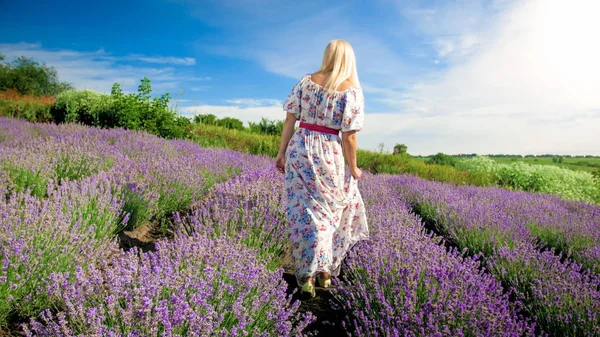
328 320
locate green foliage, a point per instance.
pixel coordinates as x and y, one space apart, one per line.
231 123
566 244
215 136
130 111
208 119
264 127
22 180
376 162
85 106
245 141
442 159
30 77
400 149
484 240
49 251
71 168
267 127
136 210
577 163
569 184
29 110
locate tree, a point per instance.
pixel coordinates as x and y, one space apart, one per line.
400 149
265 126
208 119
30 78
231 123
145 89
442 159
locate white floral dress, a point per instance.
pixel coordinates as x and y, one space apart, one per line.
325 210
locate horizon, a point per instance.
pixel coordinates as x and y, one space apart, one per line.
458 77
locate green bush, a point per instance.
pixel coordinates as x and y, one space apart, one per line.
231 123
216 136
569 184
84 106
208 119
130 111
29 110
266 127
442 159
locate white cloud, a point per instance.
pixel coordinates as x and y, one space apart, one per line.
509 77
98 70
254 103
245 114
186 61
531 87
454 28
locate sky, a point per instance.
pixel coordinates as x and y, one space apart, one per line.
486 77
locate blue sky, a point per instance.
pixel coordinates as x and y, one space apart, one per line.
496 76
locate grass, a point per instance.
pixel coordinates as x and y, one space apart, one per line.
576 164
374 162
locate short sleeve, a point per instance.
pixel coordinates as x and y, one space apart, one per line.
292 103
354 111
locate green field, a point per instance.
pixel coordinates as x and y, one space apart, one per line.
574 163
578 164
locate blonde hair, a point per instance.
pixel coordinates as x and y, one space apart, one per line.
339 60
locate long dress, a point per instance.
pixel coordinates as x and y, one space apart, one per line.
325 210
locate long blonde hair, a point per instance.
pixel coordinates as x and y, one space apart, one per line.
339 60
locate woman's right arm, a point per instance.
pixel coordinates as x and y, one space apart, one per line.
349 149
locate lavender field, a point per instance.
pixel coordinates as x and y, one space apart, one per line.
499 263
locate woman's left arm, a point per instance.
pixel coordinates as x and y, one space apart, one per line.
286 135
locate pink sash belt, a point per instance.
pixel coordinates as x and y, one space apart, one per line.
319 128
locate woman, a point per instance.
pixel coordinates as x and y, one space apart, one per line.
325 210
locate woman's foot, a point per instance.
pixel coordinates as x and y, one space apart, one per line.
308 286
324 279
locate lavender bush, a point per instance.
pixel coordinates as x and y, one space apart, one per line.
505 226
39 237
403 283
191 286
483 218
564 300
249 209
72 220
66 189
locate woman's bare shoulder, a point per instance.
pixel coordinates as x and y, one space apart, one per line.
320 79
317 78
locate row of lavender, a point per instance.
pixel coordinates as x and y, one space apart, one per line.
60 253
66 190
221 275
519 235
401 282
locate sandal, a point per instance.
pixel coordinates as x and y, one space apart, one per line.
308 287
324 282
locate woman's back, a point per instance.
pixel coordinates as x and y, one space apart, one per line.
311 102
